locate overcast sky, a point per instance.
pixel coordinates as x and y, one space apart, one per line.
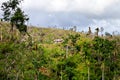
68 13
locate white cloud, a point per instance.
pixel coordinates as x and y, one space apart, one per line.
94 7
85 6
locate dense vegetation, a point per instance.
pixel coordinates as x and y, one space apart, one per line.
78 57
32 53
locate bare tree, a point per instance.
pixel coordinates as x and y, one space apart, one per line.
75 28
89 31
101 30
97 31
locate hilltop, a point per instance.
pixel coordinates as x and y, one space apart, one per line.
38 33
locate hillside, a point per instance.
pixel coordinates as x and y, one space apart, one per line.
39 34
78 56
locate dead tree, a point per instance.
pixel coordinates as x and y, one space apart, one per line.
89 31
75 28
101 30
97 31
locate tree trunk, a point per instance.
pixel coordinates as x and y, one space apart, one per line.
17 76
1 33
103 71
66 51
88 73
11 32
61 72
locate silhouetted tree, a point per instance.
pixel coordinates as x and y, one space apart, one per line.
97 31
14 14
19 20
89 31
108 34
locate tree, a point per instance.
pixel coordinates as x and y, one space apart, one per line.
75 28
70 43
89 32
97 31
104 50
14 15
1 33
108 34
19 20
86 51
101 29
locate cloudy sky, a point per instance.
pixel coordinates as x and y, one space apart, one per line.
68 13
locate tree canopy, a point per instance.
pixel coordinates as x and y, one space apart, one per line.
14 14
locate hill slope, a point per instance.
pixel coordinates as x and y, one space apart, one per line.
77 57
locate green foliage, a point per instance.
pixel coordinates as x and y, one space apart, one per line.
34 60
14 14
19 20
6 48
9 7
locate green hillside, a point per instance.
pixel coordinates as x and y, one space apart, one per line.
77 56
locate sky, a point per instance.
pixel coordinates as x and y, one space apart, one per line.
69 13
